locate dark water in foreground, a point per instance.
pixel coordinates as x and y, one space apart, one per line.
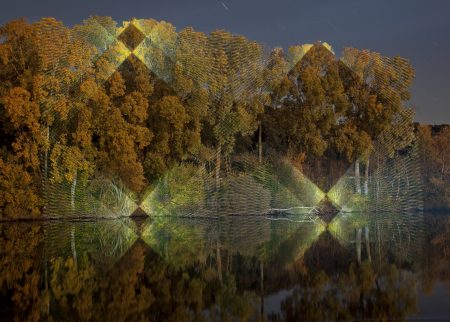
359 267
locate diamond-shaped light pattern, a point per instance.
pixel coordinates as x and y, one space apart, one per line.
266 188
109 240
390 208
158 49
173 238
131 37
113 198
102 197
326 210
113 52
297 237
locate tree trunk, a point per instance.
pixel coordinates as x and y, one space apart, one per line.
366 178
260 143
378 178
219 263
227 164
218 165
261 272
366 237
45 165
358 244
47 302
72 190
357 178
72 245
46 154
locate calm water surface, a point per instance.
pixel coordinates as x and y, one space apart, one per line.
374 267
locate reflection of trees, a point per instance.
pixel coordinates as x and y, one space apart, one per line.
189 269
194 293
294 245
179 241
81 293
397 238
193 238
385 291
359 294
436 263
143 286
385 236
20 295
105 238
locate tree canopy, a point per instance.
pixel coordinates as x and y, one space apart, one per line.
131 102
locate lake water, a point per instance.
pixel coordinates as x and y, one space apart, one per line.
359 267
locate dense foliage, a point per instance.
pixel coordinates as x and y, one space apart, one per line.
435 168
131 102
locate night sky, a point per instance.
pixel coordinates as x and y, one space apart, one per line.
418 30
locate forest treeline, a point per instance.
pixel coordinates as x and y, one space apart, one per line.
435 151
132 101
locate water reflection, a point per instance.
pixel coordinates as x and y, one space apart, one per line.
356 267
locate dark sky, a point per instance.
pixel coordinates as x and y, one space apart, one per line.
415 29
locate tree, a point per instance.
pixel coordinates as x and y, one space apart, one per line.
434 163
20 116
235 72
132 101
274 89
377 95
68 120
308 106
